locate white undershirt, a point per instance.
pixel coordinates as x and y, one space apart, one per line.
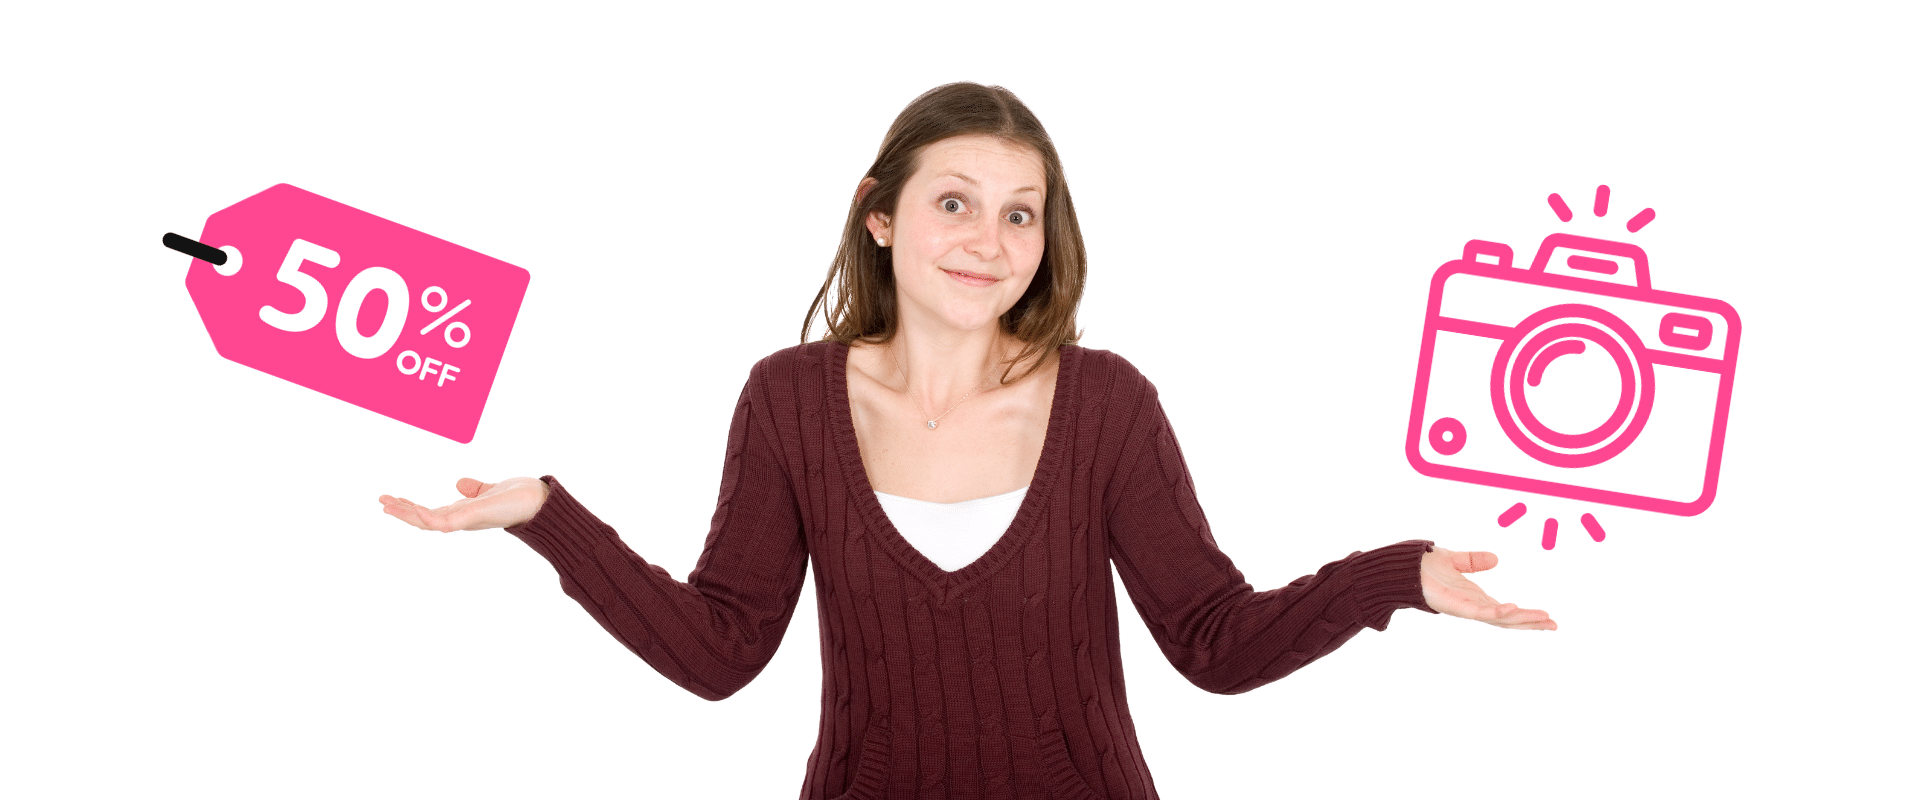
952 535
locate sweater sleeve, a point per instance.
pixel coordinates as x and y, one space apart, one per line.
715 632
1215 629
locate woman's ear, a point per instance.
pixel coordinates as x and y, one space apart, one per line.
877 223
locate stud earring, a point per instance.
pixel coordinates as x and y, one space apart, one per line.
882 241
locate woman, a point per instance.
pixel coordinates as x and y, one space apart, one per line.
960 474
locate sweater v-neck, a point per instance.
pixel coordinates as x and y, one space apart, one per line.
1040 490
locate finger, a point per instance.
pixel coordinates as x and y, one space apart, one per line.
434 520
1542 625
1476 605
1470 605
471 487
1476 561
1494 612
416 516
1526 619
1509 615
1522 616
391 501
405 512
1468 602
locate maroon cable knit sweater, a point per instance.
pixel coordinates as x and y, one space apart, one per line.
1000 680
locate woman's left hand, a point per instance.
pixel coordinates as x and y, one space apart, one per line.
1449 592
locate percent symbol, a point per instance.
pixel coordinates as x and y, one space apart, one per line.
466 334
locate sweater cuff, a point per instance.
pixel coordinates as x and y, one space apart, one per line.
563 531
1388 579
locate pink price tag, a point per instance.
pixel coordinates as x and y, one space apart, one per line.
357 307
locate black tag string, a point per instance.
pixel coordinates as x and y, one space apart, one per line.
209 254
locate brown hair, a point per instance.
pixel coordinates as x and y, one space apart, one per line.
863 303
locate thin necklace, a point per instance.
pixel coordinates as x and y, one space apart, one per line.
932 424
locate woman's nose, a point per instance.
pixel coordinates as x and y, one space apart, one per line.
983 239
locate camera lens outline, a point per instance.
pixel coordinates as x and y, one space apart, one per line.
1527 364
1559 323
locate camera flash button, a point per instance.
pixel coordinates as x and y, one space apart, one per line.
1447 436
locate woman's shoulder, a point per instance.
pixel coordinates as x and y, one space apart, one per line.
1109 388
789 367
1104 373
809 354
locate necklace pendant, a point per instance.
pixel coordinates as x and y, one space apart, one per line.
933 423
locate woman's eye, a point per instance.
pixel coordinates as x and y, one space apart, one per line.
952 205
1019 217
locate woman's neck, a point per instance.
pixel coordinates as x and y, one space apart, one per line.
939 368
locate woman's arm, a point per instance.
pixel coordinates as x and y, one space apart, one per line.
1211 624
716 631
1220 633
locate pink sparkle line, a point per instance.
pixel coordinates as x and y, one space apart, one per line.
1640 220
1560 207
1593 527
1600 201
1517 511
1552 529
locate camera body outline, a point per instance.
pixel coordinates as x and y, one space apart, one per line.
1579 293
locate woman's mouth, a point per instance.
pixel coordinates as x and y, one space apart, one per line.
970 278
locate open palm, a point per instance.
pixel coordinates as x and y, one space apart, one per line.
1448 591
485 505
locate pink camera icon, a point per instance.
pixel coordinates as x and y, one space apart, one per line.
1545 379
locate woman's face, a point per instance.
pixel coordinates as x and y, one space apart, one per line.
967 234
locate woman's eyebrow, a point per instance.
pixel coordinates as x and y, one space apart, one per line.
962 176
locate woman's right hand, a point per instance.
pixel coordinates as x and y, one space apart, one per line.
486 505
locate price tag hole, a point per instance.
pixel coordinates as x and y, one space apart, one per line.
232 267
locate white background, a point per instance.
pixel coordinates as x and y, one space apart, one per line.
200 594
